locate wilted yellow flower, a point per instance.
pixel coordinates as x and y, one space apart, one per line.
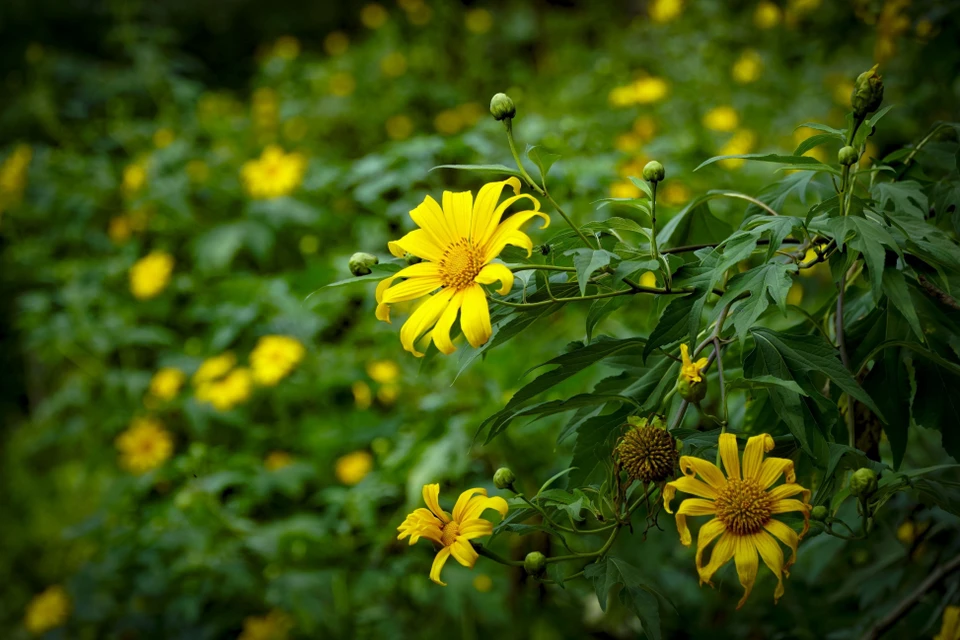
624 189
393 64
383 371
648 279
399 127
274 358
743 507
144 446
452 531
215 367
740 143
163 138
353 467
274 174
134 177
276 625
362 395
150 275
690 370
643 91
166 383
665 10
645 127
13 176
373 16
722 118
287 47
674 193
458 244
448 122
479 21
747 68
277 460
336 43
342 84
950 626
47 610
767 15
227 392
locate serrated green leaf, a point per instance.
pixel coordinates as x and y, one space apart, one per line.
673 324
869 238
587 261
895 286
800 163
771 279
610 572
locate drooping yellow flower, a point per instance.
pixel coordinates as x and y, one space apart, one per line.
722 118
276 460
47 610
457 243
743 507
274 174
353 467
274 358
665 10
166 383
950 627
452 531
383 371
150 275
276 625
747 68
144 446
690 370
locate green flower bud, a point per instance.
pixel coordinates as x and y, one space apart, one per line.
504 479
360 263
654 172
501 106
411 259
847 156
867 92
692 391
819 513
863 483
535 563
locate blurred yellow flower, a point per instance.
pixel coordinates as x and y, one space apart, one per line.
624 189
134 177
163 138
166 383
448 122
276 625
483 583
674 193
383 371
643 91
119 229
198 171
362 395
145 445
274 174
47 610
767 15
950 625
336 43
227 392
13 176
470 113
150 275
645 127
274 358
747 68
803 6
353 467
373 16
287 47
740 143
723 118
665 10
795 294
387 394
394 64
265 108
924 28
342 84
478 21
276 460
399 127
215 367
633 168
627 142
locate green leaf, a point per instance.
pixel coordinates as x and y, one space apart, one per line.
771 279
610 572
895 286
542 159
801 163
776 229
866 129
907 197
595 437
673 324
840 134
815 141
599 310
869 238
643 185
377 272
937 404
694 224
481 168
587 261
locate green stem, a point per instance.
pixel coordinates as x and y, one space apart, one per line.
653 225
590 554
541 267
482 550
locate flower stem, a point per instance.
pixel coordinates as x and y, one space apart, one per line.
482 550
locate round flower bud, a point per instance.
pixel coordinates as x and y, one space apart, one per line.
501 106
411 259
504 478
648 452
360 263
847 156
863 483
692 391
819 513
535 563
654 171
867 92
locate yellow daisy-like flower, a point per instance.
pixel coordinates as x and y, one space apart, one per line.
150 275
166 383
353 467
276 460
690 370
276 625
665 10
383 371
47 610
743 507
950 627
227 392
722 118
215 367
452 531
274 173
144 446
747 68
274 358
457 243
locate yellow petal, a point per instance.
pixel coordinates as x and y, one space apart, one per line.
423 319
458 210
707 470
771 470
441 332
753 455
784 506
788 491
730 455
429 216
787 536
462 501
668 492
464 552
721 554
484 219
685 355
494 227
507 233
419 243
696 487
431 497
746 561
692 507
410 290
479 504
772 556
475 316
708 533
438 563
476 528
494 272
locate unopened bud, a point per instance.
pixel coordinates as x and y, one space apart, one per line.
411 259
819 513
867 92
360 263
692 391
535 563
654 172
863 483
847 156
501 106
504 479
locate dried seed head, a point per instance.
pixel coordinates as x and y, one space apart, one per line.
648 452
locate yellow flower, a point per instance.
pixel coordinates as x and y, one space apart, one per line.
150 275
722 118
383 371
950 627
743 508
362 395
648 279
767 15
690 370
740 143
452 531
276 625
393 65
643 91
134 177
483 583
277 460
628 142
399 127
274 358
213 368
274 174
624 189
675 193
747 68
336 43
373 16
665 10
457 243
166 383
342 84
163 138
448 122
353 467
47 610
227 392
645 127
144 446
479 21
418 12
286 47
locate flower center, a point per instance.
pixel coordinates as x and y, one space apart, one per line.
460 264
449 533
743 506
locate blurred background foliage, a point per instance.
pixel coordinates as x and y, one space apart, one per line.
194 446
